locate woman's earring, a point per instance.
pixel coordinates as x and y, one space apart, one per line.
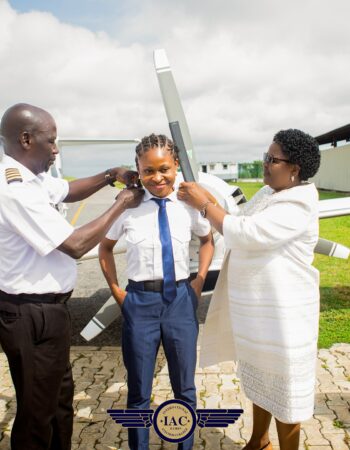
292 178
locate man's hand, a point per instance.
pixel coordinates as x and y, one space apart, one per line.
128 177
197 285
130 197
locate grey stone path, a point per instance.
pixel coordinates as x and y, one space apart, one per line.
100 384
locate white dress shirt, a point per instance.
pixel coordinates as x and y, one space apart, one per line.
30 231
141 229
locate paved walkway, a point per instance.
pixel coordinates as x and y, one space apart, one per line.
100 384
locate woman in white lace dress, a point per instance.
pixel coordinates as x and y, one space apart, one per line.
271 314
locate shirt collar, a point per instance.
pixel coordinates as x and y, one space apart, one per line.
26 174
172 196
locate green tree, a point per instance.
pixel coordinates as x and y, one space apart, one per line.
250 170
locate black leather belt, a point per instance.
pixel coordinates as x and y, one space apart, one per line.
36 298
151 285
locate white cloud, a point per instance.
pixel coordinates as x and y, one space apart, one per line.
244 69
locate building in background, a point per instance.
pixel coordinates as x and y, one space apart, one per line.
223 170
334 172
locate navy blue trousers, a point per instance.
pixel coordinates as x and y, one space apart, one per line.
148 321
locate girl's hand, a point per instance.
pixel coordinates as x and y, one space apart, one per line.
119 296
197 286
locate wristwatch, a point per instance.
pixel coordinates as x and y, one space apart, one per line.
203 210
110 178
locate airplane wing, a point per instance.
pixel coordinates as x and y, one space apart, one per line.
86 141
334 207
327 209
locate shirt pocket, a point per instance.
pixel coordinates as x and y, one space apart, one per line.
140 246
180 242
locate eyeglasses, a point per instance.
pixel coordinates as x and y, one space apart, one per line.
272 159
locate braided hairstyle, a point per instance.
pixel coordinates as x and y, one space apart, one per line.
300 148
156 141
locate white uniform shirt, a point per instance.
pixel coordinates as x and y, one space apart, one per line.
141 229
30 231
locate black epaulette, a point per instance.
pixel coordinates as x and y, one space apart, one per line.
13 175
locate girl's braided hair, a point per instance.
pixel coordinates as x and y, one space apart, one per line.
158 141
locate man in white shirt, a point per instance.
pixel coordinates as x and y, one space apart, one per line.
38 273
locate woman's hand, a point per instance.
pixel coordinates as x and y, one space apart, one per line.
194 195
197 197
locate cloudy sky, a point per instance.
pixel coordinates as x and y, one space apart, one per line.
244 68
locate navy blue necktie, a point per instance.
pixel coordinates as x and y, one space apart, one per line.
169 280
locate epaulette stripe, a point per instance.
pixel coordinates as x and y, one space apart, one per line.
12 171
11 180
13 175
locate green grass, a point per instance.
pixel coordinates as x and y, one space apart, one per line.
249 189
325 195
334 285
334 275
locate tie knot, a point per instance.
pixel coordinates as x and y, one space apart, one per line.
160 201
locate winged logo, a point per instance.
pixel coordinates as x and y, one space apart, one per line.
145 418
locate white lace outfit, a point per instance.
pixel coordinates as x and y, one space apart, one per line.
265 308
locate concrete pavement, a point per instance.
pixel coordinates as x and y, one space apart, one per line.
100 384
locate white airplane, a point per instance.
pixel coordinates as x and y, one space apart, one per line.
229 196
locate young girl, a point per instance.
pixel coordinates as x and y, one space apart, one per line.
160 303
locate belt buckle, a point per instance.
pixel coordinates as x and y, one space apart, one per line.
158 285
153 285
